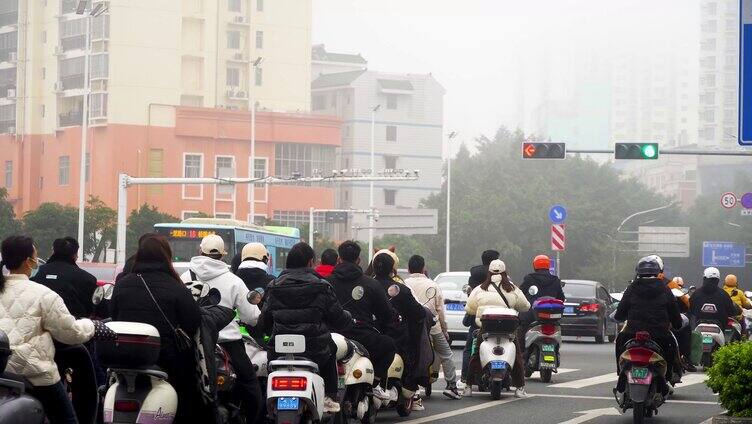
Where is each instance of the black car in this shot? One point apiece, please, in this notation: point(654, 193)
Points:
point(586, 311)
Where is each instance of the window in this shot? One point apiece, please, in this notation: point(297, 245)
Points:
point(63, 170)
point(259, 77)
point(391, 133)
point(72, 73)
point(8, 173)
point(42, 108)
point(233, 6)
point(8, 44)
point(100, 66)
point(233, 39)
point(292, 158)
point(297, 219)
point(260, 169)
point(87, 167)
point(390, 162)
point(259, 39)
point(192, 214)
point(98, 105)
point(318, 102)
point(73, 34)
point(225, 167)
point(259, 5)
point(391, 101)
point(44, 37)
point(156, 157)
point(100, 27)
point(223, 215)
point(390, 197)
point(192, 166)
point(233, 77)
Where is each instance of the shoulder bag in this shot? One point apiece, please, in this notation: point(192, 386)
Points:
point(182, 341)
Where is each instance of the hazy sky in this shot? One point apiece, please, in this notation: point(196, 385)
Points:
point(482, 51)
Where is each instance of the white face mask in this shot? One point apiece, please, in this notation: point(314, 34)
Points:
point(496, 278)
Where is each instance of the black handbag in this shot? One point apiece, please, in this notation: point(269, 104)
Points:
point(182, 340)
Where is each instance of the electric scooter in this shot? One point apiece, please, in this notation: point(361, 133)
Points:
point(497, 349)
point(543, 339)
point(356, 376)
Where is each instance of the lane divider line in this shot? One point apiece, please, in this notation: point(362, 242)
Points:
point(461, 411)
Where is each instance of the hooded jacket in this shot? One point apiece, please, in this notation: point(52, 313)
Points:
point(346, 277)
point(216, 274)
point(737, 295)
point(254, 274)
point(477, 275)
point(647, 304)
point(299, 301)
point(710, 303)
point(73, 284)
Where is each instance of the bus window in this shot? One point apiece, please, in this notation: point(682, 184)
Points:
point(281, 259)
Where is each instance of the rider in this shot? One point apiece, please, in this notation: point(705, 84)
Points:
point(364, 298)
point(498, 290)
point(328, 262)
point(648, 305)
point(737, 295)
point(710, 302)
point(300, 302)
point(254, 268)
point(684, 335)
point(209, 269)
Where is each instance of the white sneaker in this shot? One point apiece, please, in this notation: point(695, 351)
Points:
point(418, 405)
point(330, 406)
point(520, 393)
point(393, 395)
point(461, 385)
point(468, 390)
point(379, 392)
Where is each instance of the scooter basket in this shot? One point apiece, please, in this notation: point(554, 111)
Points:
point(499, 321)
point(548, 309)
point(137, 346)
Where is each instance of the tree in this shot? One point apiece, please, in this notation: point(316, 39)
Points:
point(141, 221)
point(9, 225)
point(49, 222)
point(99, 226)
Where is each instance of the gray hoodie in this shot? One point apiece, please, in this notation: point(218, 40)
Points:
point(216, 274)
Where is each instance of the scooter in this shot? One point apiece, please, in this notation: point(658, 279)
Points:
point(497, 349)
point(543, 339)
point(295, 391)
point(733, 331)
point(713, 338)
point(642, 384)
point(356, 376)
point(16, 406)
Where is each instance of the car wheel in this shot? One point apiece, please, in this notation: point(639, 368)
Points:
point(601, 338)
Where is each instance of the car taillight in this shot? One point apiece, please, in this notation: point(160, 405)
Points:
point(640, 356)
point(548, 329)
point(127, 405)
point(289, 383)
point(590, 308)
point(642, 336)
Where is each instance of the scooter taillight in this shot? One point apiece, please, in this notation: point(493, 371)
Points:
point(548, 329)
point(289, 383)
point(127, 405)
point(730, 322)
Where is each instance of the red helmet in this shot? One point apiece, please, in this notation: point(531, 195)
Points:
point(541, 262)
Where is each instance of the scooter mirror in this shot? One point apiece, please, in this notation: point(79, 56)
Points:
point(466, 289)
point(357, 293)
point(393, 290)
point(255, 295)
point(430, 293)
point(98, 295)
point(748, 294)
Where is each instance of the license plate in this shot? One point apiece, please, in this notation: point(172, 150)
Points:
point(288, 403)
point(549, 348)
point(498, 365)
point(707, 340)
point(454, 307)
point(569, 310)
point(549, 358)
point(639, 372)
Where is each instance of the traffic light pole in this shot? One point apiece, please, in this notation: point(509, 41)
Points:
point(669, 152)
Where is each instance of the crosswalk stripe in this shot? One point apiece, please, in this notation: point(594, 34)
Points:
point(691, 379)
point(585, 382)
point(535, 374)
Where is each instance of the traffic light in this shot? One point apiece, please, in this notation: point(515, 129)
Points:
point(636, 151)
point(544, 150)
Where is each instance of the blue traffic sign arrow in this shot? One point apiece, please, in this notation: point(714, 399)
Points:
point(745, 73)
point(723, 254)
point(557, 214)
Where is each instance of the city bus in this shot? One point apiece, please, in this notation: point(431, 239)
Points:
point(185, 238)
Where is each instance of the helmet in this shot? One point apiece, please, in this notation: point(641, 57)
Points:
point(541, 262)
point(679, 281)
point(657, 259)
point(712, 272)
point(730, 280)
point(648, 267)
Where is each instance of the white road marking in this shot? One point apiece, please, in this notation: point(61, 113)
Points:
point(691, 379)
point(585, 382)
point(535, 374)
point(610, 398)
point(591, 414)
point(460, 411)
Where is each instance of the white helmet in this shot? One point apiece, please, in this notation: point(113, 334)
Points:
point(712, 272)
point(657, 259)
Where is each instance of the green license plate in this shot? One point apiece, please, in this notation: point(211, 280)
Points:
point(549, 348)
point(639, 372)
point(707, 340)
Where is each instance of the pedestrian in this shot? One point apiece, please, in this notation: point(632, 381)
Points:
point(328, 262)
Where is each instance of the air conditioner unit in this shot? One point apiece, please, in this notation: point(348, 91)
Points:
point(240, 19)
point(11, 93)
point(59, 50)
point(230, 93)
point(57, 87)
point(238, 56)
point(12, 57)
point(241, 95)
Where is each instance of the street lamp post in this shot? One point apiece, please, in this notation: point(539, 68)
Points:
point(452, 135)
point(252, 100)
point(373, 170)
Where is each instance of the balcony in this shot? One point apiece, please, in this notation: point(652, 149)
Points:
point(70, 119)
point(68, 6)
point(9, 18)
point(76, 42)
point(71, 82)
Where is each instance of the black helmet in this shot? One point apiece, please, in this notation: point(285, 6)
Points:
point(648, 267)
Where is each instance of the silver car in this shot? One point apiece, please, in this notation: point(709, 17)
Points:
point(451, 284)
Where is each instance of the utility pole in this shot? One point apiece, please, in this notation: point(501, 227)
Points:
point(252, 100)
point(373, 170)
point(452, 135)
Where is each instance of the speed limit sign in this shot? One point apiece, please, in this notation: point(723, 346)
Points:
point(728, 200)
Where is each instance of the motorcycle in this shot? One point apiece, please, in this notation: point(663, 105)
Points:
point(497, 349)
point(543, 339)
point(733, 331)
point(16, 406)
point(713, 338)
point(642, 383)
point(295, 391)
point(356, 375)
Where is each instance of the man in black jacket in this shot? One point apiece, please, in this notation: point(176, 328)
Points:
point(540, 283)
point(254, 268)
point(365, 299)
point(64, 277)
point(710, 302)
point(299, 301)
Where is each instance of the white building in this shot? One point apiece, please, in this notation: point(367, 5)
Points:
point(408, 128)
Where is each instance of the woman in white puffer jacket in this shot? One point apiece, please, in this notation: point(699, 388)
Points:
point(32, 316)
point(488, 295)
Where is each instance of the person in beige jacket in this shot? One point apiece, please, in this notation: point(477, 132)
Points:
point(32, 315)
point(488, 295)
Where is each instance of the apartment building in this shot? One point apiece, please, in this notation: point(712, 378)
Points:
point(172, 82)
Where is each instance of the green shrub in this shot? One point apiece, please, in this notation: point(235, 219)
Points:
point(731, 377)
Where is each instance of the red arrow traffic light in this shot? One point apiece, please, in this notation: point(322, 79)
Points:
point(528, 150)
point(544, 150)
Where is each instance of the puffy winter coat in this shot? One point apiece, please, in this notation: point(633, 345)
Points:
point(346, 277)
point(648, 304)
point(481, 299)
point(216, 274)
point(737, 296)
point(420, 285)
point(32, 316)
point(72, 283)
point(299, 301)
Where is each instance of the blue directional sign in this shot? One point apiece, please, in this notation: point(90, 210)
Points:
point(745, 74)
point(723, 254)
point(558, 213)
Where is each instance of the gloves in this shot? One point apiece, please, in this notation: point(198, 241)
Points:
point(103, 332)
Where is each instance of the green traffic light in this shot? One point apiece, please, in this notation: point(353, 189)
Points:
point(649, 151)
